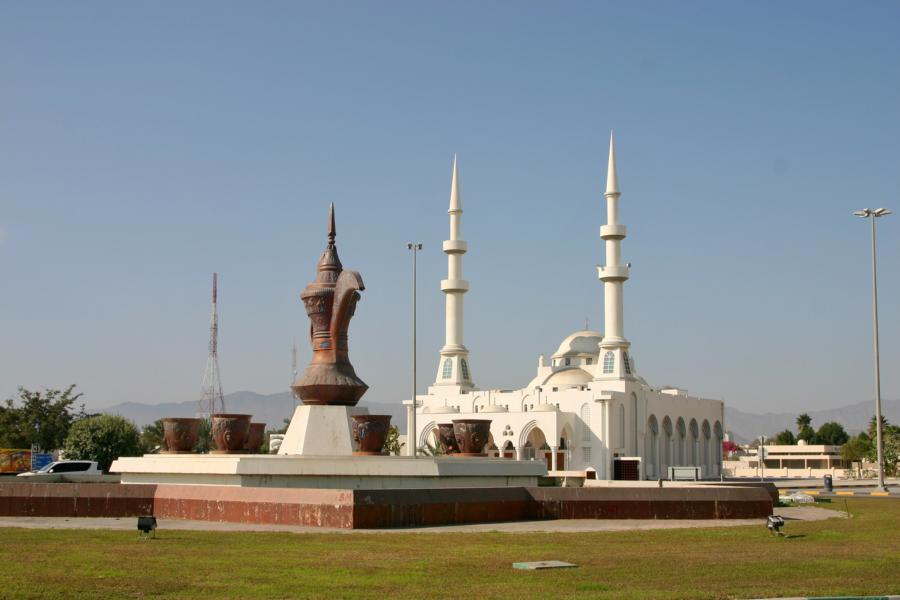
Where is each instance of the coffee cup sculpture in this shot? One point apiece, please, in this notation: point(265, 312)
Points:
point(255, 437)
point(370, 432)
point(446, 439)
point(471, 435)
point(330, 302)
point(180, 435)
point(230, 432)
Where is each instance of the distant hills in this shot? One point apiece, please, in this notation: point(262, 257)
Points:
point(272, 409)
point(854, 417)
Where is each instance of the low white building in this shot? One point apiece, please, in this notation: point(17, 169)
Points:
point(587, 409)
point(800, 460)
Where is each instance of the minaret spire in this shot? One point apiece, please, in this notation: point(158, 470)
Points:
point(455, 205)
point(615, 363)
point(612, 180)
point(453, 367)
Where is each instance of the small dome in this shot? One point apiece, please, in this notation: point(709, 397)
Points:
point(574, 376)
point(580, 343)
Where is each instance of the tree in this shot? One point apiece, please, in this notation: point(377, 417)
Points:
point(886, 427)
point(803, 421)
point(153, 437)
point(785, 438)
point(890, 442)
point(856, 449)
point(832, 434)
point(205, 443)
point(41, 418)
point(393, 445)
point(102, 438)
point(807, 434)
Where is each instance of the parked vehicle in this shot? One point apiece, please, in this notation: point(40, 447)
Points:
point(74, 468)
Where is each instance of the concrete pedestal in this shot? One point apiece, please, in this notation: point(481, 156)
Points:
point(332, 472)
point(320, 431)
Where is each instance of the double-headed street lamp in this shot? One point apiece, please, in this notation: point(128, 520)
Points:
point(411, 411)
point(867, 213)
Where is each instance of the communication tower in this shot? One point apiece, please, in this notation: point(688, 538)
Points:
point(212, 400)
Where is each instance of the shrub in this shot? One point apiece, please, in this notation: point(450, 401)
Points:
point(102, 438)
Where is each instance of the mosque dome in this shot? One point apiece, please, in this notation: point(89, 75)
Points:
point(581, 344)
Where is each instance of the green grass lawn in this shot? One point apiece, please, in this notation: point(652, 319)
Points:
point(857, 556)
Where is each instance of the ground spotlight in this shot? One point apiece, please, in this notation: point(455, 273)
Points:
point(774, 524)
point(146, 525)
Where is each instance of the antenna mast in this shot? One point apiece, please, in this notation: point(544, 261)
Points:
point(212, 400)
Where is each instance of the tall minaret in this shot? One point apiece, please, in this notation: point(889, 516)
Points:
point(453, 367)
point(614, 362)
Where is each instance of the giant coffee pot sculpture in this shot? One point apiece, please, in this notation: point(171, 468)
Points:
point(330, 302)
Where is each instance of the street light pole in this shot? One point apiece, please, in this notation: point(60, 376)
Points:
point(411, 411)
point(874, 214)
point(761, 459)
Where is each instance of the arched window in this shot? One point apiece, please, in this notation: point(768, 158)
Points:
point(634, 422)
point(626, 363)
point(568, 361)
point(651, 447)
point(464, 367)
point(665, 460)
point(704, 446)
point(448, 369)
point(695, 443)
point(609, 362)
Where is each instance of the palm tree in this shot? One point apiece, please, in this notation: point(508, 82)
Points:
point(803, 421)
point(885, 426)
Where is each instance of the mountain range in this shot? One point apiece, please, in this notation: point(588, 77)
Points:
point(273, 409)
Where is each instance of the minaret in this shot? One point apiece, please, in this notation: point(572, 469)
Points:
point(614, 361)
point(453, 367)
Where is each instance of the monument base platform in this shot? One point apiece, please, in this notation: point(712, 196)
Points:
point(320, 430)
point(375, 509)
point(328, 472)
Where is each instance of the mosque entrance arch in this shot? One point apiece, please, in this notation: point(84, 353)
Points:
point(563, 449)
point(428, 437)
point(535, 442)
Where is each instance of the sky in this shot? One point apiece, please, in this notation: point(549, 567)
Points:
point(144, 145)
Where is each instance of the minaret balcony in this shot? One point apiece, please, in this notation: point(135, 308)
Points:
point(613, 273)
point(455, 246)
point(612, 232)
point(454, 285)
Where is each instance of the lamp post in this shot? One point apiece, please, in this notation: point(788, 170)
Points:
point(761, 459)
point(867, 213)
point(411, 411)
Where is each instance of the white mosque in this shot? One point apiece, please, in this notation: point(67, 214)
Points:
point(588, 409)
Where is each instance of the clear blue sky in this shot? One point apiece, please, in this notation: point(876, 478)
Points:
point(144, 145)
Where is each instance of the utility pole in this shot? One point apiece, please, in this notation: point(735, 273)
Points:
point(411, 441)
point(867, 213)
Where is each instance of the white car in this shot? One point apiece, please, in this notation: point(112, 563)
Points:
point(77, 469)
